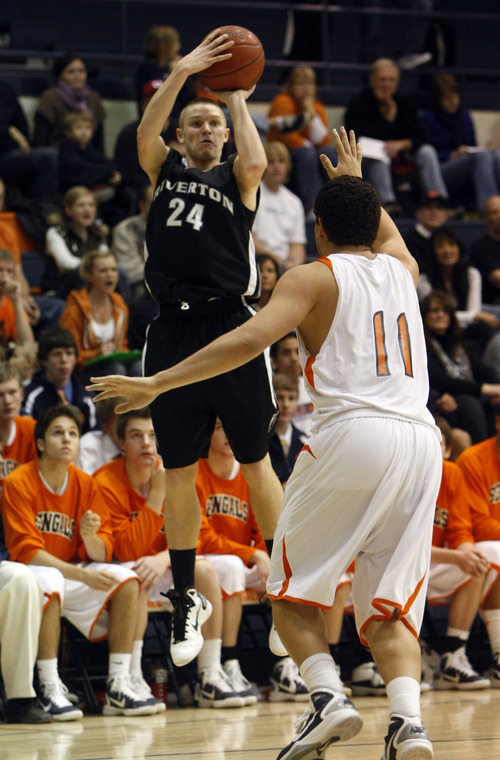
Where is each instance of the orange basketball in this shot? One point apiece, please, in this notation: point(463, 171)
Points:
point(243, 69)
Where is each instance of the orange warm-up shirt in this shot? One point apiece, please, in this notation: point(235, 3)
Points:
point(228, 523)
point(36, 519)
point(22, 448)
point(452, 518)
point(480, 465)
point(138, 531)
point(8, 325)
point(284, 105)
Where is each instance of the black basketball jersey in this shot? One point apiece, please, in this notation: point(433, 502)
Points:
point(198, 235)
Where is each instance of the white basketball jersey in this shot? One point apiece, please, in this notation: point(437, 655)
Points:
point(374, 359)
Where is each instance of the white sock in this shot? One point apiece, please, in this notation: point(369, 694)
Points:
point(319, 672)
point(458, 633)
point(491, 619)
point(404, 696)
point(136, 661)
point(209, 657)
point(119, 664)
point(47, 670)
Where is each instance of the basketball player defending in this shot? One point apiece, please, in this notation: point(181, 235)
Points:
point(365, 485)
point(201, 264)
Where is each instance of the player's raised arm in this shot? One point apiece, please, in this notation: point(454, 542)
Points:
point(251, 160)
point(389, 239)
point(150, 145)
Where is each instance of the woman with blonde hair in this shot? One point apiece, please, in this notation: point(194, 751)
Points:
point(98, 318)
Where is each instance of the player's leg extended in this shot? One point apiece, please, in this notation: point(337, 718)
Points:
point(182, 524)
point(397, 654)
point(330, 717)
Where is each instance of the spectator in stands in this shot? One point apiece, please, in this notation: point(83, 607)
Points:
point(80, 163)
point(129, 240)
point(55, 383)
point(285, 360)
point(33, 170)
point(431, 212)
point(16, 431)
point(270, 273)
point(279, 224)
point(23, 359)
point(161, 51)
point(468, 389)
point(306, 144)
point(133, 487)
point(97, 317)
point(464, 575)
point(70, 93)
point(287, 440)
point(21, 603)
point(98, 447)
point(231, 541)
point(384, 114)
point(485, 255)
point(450, 272)
point(71, 235)
point(449, 128)
point(14, 322)
point(71, 564)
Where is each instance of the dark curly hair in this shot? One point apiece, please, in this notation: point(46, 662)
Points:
point(349, 209)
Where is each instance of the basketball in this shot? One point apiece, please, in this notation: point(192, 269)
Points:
point(243, 69)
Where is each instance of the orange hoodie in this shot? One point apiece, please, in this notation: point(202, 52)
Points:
point(77, 318)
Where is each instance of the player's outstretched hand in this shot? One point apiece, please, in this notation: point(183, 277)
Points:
point(225, 95)
point(349, 155)
point(138, 391)
point(214, 48)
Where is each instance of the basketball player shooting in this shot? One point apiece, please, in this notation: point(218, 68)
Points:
point(201, 264)
point(366, 484)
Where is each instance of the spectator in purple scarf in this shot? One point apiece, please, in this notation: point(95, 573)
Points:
point(70, 93)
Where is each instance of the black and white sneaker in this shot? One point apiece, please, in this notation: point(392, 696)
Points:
point(457, 673)
point(366, 681)
point(53, 700)
point(191, 610)
point(330, 717)
point(286, 683)
point(407, 739)
point(122, 699)
point(494, 673)
point(141, 687)
point(239, 684)
point(215, 690)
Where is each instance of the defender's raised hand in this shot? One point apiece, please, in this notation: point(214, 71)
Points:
point(349, 155)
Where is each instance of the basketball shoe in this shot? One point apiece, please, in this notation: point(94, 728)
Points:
point(275, 644)
point(366, 681)
point(122, 699)
point(456, 672)
point(330, 717)
point(239, 684)
point(407, 739)
point(286, 683)
point(53, 700)
point(141, 687)
point(191, 609)
point(215, 690)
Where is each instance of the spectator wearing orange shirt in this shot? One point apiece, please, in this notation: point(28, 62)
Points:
point(305, 145)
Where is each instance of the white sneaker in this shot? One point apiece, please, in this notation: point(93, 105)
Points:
point(366, 681)
point(191, 610)
point(53, 701)
point(286, 683)
point(407, 738)
point(239, 684)
point(457, 673)
point(330, 717)
point(215, 690)
point(122, 699)
point(275, 644)
point(142, 688)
